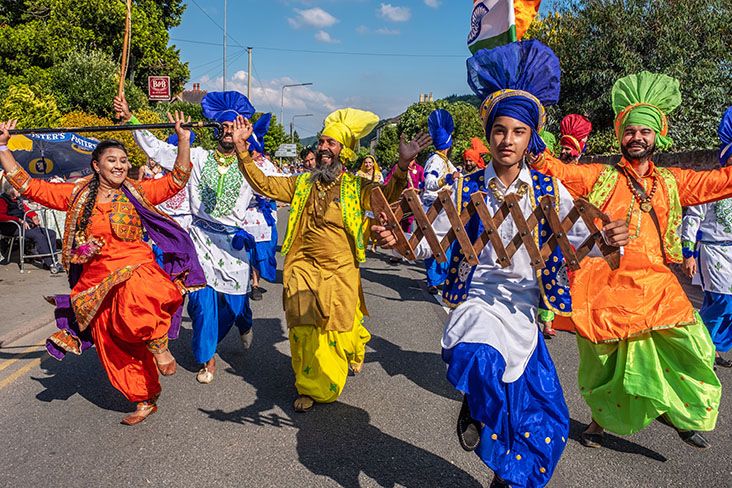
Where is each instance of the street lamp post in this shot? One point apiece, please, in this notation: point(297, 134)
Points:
point(282, 103)
point(292, 126)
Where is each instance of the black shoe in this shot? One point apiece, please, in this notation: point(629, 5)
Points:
point(694, 439)
point(255, 294)
point(432, 290)
point(498, 482)
point(395, 260)
point(468, 429)
point(724, 363)
point(592, 440)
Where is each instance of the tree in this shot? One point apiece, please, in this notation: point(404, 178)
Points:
point(72, 87)
point(276, 135)
point(600, 41)
point(465, 115)
point(386, 151)
point(30, 108)
point(42, 33)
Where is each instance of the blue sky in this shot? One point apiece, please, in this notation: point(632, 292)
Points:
point(420, 46)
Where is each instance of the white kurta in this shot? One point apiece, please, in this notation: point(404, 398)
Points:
point(502, 303)
point(254, 222)
point(434, 169)
point(226, 269)
point(714, 220)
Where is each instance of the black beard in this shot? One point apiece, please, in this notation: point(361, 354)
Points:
point(647, 152)
point(226, 146)
point(326, 173)
point(470, 167)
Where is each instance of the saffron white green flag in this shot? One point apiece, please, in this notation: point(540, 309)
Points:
point(496, 22)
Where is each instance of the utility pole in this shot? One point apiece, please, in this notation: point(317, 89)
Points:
point(249, 74)
point(225, 38)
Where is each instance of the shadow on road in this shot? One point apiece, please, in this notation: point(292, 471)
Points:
point(82, 375)
point(334, 440)
point(407, 288)
point(615, 443)
point(424, 369)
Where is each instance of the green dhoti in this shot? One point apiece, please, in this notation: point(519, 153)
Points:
point(629, 383)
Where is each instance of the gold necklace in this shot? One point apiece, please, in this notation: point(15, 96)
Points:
point(324, 189)
point(224, 160)
point(500, 197)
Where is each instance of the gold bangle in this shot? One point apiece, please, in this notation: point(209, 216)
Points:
point(19, 178)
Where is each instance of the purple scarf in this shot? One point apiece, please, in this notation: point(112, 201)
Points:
point(179, 259)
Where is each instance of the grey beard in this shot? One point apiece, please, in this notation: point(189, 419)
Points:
point(325, 174)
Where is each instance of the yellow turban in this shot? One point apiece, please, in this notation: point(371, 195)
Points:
point(348, 126)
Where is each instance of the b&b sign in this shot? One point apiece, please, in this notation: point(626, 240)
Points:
point(158, 87)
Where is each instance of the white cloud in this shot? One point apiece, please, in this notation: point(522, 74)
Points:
point(322, 36)
point(384, 31)
point(266, 97)
point(312, 17)
point(395, 14)
point(432, 3)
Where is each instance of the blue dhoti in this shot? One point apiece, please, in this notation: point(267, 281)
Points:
point(213, 314)
point(716, 312)
point(526, 422)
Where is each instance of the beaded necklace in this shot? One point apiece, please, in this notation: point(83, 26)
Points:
point(324, 189)
point(500, 197)
point(645, 203)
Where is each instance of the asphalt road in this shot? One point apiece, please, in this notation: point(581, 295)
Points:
point(393, 426)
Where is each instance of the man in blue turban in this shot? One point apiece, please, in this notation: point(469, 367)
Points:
point(513, 413)
point(706, 238)
point(439, 173)
point(261, 217)
point(219, 197)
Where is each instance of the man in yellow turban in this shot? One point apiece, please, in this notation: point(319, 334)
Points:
point(323, 248)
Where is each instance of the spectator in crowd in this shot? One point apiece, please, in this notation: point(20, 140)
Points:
point(13, 209)
point(307, 158)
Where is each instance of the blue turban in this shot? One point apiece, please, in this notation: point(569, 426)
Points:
point(441, 127)
point(516, 80)
point(173, 139)
point(226, 106)
point(259, 129)
point(725, 137)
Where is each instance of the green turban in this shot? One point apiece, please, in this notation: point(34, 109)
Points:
point(550, 140)
point(645, 99)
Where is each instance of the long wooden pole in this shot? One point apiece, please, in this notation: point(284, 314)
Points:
point(113, 128)
point(124, 64)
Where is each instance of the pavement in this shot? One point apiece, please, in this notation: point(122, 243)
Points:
point(392, 427)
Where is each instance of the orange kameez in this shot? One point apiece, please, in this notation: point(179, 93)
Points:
point(123, 296)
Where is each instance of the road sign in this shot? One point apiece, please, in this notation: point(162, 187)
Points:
point(286, 151)
point(158, 87)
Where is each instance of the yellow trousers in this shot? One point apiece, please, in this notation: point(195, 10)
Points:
point(320, 358)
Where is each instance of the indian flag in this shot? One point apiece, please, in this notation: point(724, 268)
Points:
point(496, 22)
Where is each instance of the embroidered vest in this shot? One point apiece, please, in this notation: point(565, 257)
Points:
point(351, 211)
point(553, 280)
point(605, 185)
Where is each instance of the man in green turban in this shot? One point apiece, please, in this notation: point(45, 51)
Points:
point(645, 353)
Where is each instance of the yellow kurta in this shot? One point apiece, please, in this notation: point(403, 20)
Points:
point(323, 298)
point(321, 279)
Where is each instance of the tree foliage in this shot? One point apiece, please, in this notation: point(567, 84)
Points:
point(39, 34)
point(29, 107)
point(72, 83)
point(276, 135)
point(386, 151)
point(467, 125)
point(600, 41)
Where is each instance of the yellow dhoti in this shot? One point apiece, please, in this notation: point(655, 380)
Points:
point(320, 358)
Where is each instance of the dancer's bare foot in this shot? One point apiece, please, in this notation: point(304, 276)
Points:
point(206, 373)
point(356, 367)
point(143, 411)
point(165, 362)
point(303, 403)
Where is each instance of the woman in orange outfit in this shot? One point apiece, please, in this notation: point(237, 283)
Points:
point(119, 294)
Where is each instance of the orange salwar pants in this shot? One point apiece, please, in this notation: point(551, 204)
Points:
point(133, 313)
